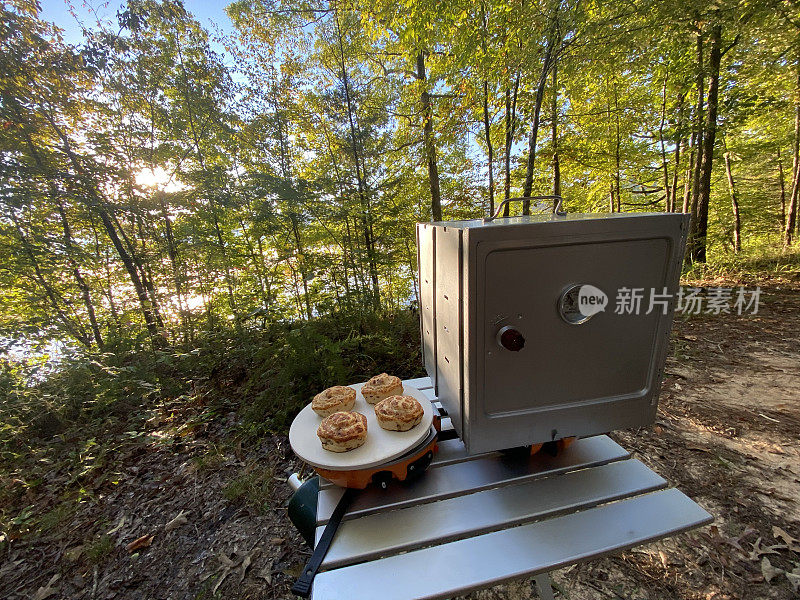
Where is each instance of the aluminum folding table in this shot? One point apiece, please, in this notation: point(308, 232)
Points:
point(471, 522)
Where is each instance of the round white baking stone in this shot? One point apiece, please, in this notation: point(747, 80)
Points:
point(381, 445)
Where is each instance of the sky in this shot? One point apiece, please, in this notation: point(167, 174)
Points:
point(210, 13)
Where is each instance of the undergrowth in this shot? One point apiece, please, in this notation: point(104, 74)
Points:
point(761, 265)
point(71, 422)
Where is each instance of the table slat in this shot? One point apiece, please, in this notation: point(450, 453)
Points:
point(458, 567)
point(461, 478)
point(396, 531)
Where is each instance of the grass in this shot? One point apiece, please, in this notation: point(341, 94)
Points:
point(54, 518)
point(252, 487)
point(98, 549)
point(210, 460)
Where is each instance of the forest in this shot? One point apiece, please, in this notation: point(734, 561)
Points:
point(152, 192)
point(200, 228)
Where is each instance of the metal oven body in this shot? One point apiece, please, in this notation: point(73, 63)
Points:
point(515, 335)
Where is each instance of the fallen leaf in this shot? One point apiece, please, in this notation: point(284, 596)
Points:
point(118, 525)
point(768, 571)
point(276, 540)
point(248, 558)
point(265, 574)
point(700, 448)
point(47, 590)
point(227, 567)
point(792, 543)
point(758, 550)
point(141, 542)
point(226, 571)
point(226, 562)
point(176, 522)
point(73, 554)
point(794, 578)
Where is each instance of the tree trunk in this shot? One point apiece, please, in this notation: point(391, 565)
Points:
point(301, 263)
point(143, 273)
point(709, 137)
point(489, 148)
point(79, 279)
point(664, 164)
point(791, 215)
point(172, 252)
point(68, 245)
point(782, 181)
point(486, 116)
point(511, 125)
point(349, 253)
point(737, 222)
point(211, 201)
point(689, 176)
point(537, 107)
point(73, 327)
point(698, 140)
point(680, 147)
point(428, 141)
point(611, 196)
point(412, 267)
point(554, 118)
point(617, 144)
point(366, 212)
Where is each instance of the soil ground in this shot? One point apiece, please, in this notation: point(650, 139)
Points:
point(196, 514)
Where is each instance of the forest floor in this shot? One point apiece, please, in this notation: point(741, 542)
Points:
point(187, 509)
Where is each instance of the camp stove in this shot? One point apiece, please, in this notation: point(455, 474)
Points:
point(542, 327)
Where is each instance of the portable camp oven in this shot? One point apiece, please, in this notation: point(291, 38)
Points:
point(516, 338)
point(534, 329)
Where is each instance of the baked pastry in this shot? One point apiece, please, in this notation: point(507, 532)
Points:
point(380, 387)
point(398, 413)
point(343, 431)
point(334, 399)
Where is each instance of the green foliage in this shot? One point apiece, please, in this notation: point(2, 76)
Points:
point(154, 194)
point(268, 374)
point(278, 370)
point(762, 266)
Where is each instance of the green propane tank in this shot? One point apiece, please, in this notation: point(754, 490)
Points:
point(303, 508)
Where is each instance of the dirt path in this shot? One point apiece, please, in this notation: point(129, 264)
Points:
point(728, 435)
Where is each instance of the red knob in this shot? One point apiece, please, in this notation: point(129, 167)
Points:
point(511, 339)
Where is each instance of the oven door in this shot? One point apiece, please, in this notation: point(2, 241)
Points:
point(545, 357)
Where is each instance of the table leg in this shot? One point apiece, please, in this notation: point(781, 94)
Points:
point(543, 586)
